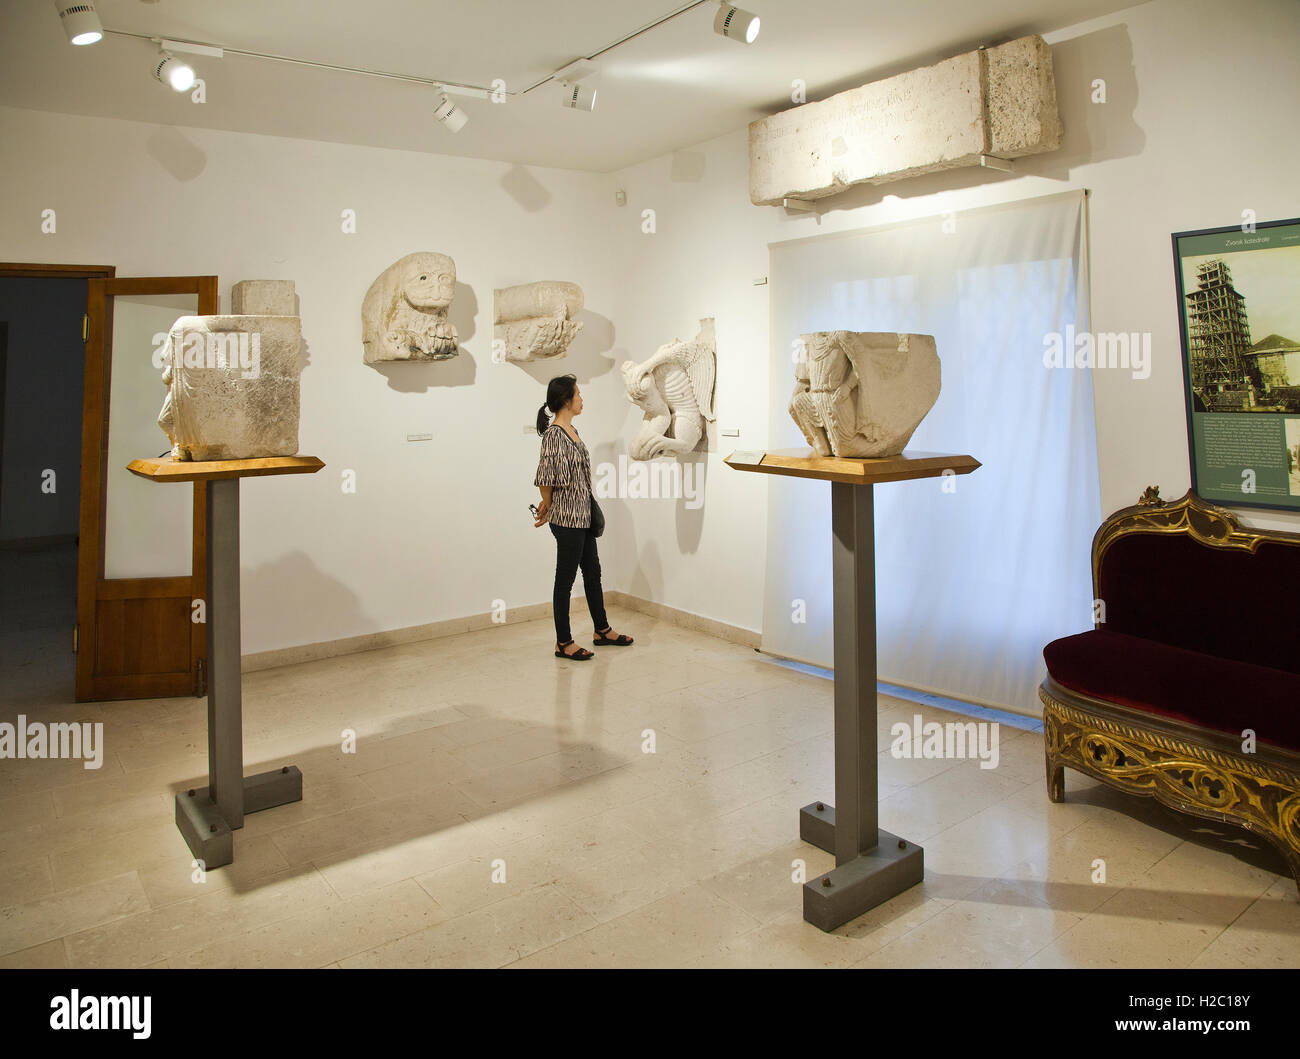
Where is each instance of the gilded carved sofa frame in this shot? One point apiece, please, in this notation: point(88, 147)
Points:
point(1185, 767)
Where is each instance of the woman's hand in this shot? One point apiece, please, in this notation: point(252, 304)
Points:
point(543, 509)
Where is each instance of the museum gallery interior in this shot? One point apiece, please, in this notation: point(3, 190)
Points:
point(619, 484)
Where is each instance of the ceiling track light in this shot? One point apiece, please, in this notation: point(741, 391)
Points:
point(449, 114)
point(579, 97)
point(170, 71)
point(80, 21)
point(736, 23)
point(576, 95)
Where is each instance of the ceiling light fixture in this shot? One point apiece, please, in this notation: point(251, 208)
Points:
point(80, 22)
point(576, 95)
point(735, 23)
point(169, 70)
point(449, 114)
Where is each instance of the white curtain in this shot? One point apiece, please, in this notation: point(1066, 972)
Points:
point(970, 584)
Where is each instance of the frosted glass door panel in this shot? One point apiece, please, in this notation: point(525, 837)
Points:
point(149, 528)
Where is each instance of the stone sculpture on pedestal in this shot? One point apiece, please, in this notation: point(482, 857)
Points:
point(232, 387)
point(536, 321)
point(863, 393)
point(674, 389)
point(404, 314)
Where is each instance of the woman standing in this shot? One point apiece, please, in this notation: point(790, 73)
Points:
point(564, 477)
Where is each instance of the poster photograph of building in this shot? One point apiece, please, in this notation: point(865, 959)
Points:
point(1239, 310)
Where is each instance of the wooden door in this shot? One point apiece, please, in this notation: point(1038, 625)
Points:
point(136, 633)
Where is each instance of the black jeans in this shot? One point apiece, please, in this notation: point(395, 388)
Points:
point(574, 548)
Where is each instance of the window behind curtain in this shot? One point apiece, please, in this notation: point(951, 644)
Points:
point(970, 584)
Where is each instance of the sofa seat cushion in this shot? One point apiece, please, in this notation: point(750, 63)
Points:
point(1216, 693)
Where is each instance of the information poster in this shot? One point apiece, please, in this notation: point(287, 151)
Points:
point(1239, 309)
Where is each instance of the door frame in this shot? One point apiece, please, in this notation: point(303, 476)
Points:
point(92, 585)
point(37, 270)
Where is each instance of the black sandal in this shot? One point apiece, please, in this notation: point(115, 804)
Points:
point(580, 655)
point(601, 641)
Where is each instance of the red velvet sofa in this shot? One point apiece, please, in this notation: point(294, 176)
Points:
point(1188, 688)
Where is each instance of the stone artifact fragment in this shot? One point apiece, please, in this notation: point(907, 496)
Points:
point(863, 393)
point(232, 387)
point(674, 389)
point(1000, 102)
point(536, 321)
point(263, 297)
point(404, 315)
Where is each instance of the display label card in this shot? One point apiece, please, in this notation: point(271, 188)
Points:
point(746, 458)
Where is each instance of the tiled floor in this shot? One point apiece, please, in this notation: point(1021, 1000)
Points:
point(499, 810)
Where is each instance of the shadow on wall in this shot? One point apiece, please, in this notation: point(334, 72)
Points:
point(182, 159)
point(588, 357)
point(525, 189)
point(295, 576)
point(461, 370)
point(690, 521)
point(1091, 131)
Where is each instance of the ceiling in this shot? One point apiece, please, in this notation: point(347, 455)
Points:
point(674, 86)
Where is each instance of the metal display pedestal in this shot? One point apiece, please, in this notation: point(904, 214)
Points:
point(208, 816)
point(871, 864)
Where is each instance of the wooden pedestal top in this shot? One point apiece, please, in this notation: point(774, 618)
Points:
point(165, 469)
point(804, 463)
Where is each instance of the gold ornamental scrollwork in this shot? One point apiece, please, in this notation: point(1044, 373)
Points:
point(1207, 782)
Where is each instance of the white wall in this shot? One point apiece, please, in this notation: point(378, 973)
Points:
point(1198, 124)
point(436, 530)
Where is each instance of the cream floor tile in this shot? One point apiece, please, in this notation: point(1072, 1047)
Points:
point(365, 868)
point(49, 956)
point(499, 934)
point(668, 932)
point(996, 926)
point(23, 881)
point(322, 796)
point(175, 929)
point(102, 858)
point(503, 787)
point(175, 878)
point(62, 913)
point(1267, 934)
point(1134, 928)
point(786, 941)
point(393, 819)
point(766, 887)
point(335, 929)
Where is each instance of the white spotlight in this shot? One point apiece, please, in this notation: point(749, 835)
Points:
point(450, 115)
point(736, 23)
point(171, 71)
point(578, 96)
point(80, 22)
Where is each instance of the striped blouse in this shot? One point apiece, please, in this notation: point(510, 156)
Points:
point(565, 465)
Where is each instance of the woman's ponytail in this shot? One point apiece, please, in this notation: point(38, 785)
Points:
point(559, 392)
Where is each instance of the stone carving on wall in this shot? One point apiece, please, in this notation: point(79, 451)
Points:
point(404, 314)
point(232, 387)
point(863, 393)
point(536, 321)
point(674, 390)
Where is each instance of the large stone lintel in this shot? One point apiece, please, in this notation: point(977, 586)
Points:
point(1000, 101)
